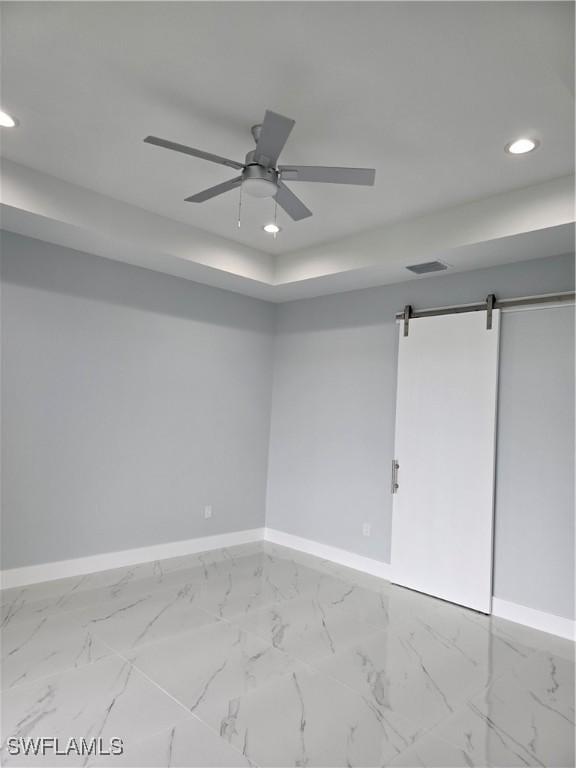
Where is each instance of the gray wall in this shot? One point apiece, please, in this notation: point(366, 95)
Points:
point(534, 545)
point(130, 400)
point(332, 432)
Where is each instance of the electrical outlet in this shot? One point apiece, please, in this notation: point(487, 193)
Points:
point(366, 529)
point(208, 511)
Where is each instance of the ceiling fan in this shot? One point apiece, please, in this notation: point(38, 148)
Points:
point(261, 177)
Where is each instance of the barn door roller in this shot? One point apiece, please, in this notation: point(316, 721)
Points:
point(490, 303)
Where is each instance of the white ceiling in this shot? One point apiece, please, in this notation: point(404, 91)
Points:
point(427, 93)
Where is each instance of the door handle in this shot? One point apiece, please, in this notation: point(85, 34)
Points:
point(395, 468)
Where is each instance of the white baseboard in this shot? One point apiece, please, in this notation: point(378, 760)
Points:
point(18, 577)
point(327, 552)
point(32, 574)
point(530, 617)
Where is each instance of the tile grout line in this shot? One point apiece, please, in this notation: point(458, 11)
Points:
point(508, 673)
point(421, 733)
point(461, 707)
point(115, 653)
point(183, 706)
point(430, 731)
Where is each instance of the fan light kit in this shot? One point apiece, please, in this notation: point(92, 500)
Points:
point(272, 229)
point(260, 176)
point(255, 186)
point(6, 120)
point(521, 146)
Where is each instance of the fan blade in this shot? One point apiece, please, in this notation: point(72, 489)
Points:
point(294, 207)
point(219, 189)
point(191, 151)
point(273, 136)
point(327, 175)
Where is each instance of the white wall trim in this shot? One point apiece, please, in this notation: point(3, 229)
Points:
point(17, 577)
point(32, 574)
point(327, 552)
point(530, 617)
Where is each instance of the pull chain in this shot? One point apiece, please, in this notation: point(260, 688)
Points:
point(275, 218)
point(239, 208)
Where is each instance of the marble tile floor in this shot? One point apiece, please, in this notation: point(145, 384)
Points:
point(261, 656)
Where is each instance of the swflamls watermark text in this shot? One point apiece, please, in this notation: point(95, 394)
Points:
point(49, 745)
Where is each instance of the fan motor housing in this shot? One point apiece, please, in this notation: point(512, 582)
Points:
point(255, 171)
point(259, 181)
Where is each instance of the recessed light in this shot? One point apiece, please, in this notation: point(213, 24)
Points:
point(6, 120)
point(521, 146)
point(272, 229)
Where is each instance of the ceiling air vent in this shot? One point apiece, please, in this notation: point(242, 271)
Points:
point(426, 267)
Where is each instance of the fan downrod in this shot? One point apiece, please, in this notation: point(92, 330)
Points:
point(256, 130)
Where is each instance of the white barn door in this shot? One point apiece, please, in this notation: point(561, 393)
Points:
point(445, 450)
